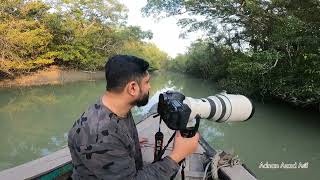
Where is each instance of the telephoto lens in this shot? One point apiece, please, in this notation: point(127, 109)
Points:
point(221, 107)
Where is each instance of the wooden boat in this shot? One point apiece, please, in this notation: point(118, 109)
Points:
point(58, 164)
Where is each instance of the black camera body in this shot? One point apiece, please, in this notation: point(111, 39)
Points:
point(175, 113)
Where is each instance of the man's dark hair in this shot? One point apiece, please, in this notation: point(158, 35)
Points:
point(121, 69)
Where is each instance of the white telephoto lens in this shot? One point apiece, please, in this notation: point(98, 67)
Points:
point(222, 107)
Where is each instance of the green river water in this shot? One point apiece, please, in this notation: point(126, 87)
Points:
point(34, 122)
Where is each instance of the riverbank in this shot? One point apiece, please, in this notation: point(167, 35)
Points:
point(51, 75)
point(290, 101)
point(60, 75)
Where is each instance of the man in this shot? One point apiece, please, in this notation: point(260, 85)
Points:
point(104, 142)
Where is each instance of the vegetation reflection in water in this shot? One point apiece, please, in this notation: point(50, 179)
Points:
point(34, 122)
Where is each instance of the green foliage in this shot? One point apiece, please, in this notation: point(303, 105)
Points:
point(71, 33)
point(147, 51)
point(23, 37)
point(267, 48)
point(203, 59)
point(178, 64)
point(107, 12)
point(29, 38)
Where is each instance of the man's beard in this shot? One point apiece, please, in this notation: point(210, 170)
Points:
point(143, 101)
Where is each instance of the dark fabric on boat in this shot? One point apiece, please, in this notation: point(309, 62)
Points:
point(105, 146)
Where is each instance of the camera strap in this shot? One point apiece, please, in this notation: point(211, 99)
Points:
point(182, 168)
point(159, 137)
point(158, 142)
point(158, 151)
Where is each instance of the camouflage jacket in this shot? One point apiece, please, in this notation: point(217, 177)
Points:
point(105, 146)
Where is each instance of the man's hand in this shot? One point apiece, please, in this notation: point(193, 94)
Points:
point(183, 147)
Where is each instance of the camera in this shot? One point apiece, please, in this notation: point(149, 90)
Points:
point(184, 113)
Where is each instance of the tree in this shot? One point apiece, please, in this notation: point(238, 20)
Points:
point(70, 33)
point(282, 38)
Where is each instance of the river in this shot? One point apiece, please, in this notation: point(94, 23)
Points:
point(34, 122)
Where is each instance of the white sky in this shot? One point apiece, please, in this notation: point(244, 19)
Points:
point(165, 32)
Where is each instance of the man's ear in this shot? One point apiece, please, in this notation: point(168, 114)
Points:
point(132, 88)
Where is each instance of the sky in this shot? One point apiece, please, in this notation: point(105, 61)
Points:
point(165, 32)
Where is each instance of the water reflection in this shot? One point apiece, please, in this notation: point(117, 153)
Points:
point(34, 121)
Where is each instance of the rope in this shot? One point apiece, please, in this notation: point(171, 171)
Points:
point(219, 160)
